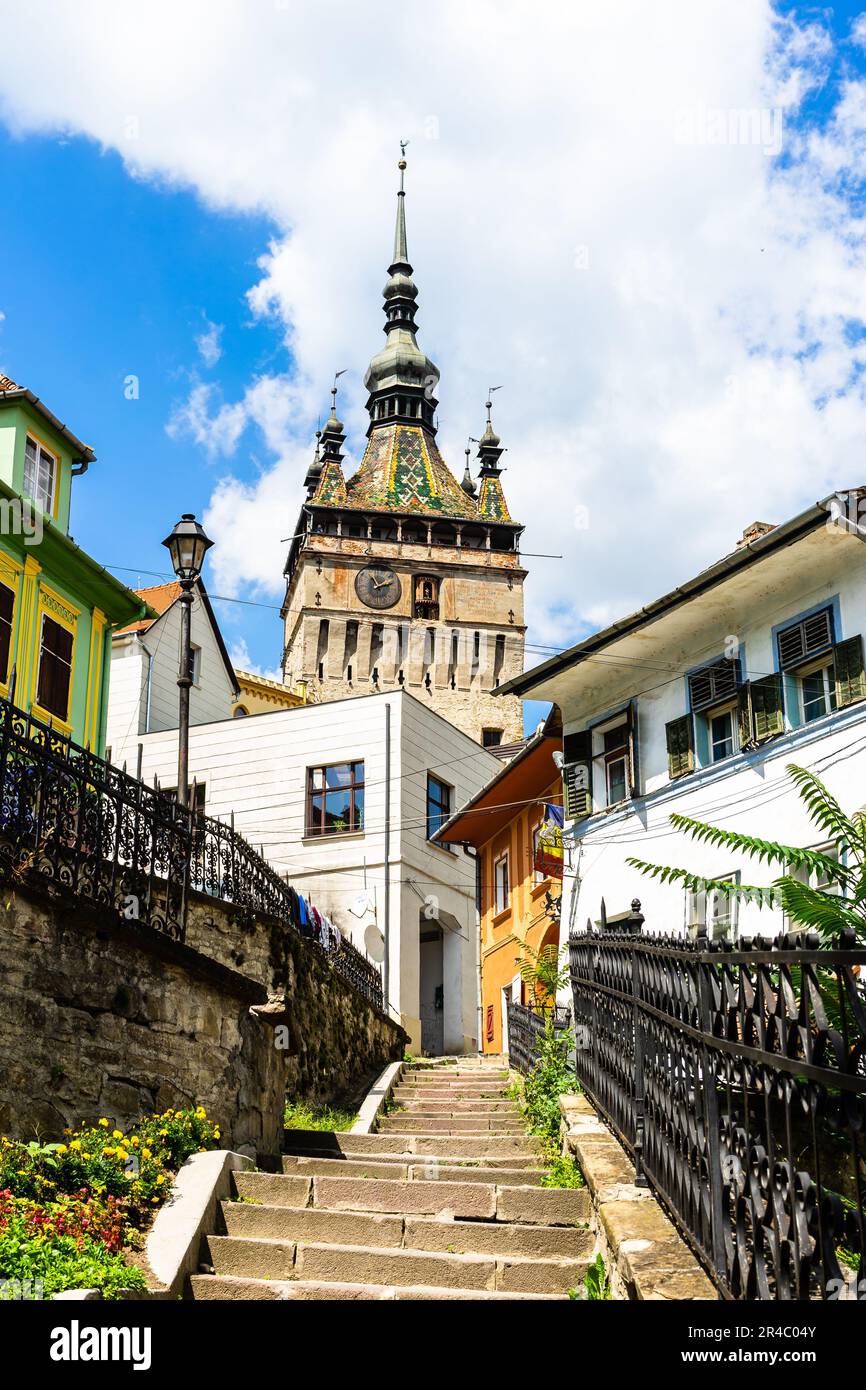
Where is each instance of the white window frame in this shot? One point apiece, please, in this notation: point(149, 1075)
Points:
point(715, 712)
point(497, 863)
point(195, 664)
point(825, 666)
point(702, 911)
point(41, 452)
point(599, 757)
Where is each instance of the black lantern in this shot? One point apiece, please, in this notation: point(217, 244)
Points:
point(187, 545)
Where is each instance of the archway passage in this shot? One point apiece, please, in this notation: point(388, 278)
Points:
point(432, 990)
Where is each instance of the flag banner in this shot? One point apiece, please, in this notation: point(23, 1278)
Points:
point(549, 853)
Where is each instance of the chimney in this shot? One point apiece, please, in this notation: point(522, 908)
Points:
point(754, 531)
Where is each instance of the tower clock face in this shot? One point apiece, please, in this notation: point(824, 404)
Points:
point(378, 586)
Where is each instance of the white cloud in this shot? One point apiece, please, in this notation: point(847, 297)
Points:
point(217, 432)
point(208, 343)
point(240, 658)
point(669, 318)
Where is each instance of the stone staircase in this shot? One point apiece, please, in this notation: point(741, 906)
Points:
point(443, 1202)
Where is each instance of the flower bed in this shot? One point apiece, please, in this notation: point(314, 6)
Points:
point(71, 1213)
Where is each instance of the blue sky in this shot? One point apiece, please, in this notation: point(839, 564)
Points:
point(116, 276)
point(719, 327)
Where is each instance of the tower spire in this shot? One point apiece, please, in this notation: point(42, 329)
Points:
point(401, 252)
point(401, 379)
point(491, 498)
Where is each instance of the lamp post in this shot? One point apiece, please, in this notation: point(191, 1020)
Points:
point(187, 546)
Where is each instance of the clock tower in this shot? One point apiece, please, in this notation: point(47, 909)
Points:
point(400, 575)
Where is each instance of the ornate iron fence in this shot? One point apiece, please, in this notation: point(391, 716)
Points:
point(526, 1028)
point(100, 835)
point(736, 1078)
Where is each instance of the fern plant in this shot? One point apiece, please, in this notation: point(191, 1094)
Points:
point(830, 910)
point(542, 972)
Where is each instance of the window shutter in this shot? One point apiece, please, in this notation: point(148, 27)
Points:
point(805, 639)
point(679, 734)
point(713, 684)
point(848, 672)
point(577, 775)
point(767, 715)
point(633, 762)
point(744, 715)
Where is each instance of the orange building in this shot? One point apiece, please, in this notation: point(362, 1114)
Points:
point(502, 823)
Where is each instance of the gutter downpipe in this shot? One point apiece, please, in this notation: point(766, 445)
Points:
point(473, 854)
point(148, 690)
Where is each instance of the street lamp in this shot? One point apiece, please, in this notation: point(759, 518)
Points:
point(187, 546)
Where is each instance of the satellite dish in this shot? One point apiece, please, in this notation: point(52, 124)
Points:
point(374, 942)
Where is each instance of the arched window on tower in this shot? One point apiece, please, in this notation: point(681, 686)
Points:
point(444, 535)
point(426, 604)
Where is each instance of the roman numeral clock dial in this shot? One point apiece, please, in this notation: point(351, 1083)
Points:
point(378, 587)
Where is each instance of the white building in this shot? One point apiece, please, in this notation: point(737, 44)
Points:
point(697, 703)
point(342, 798)
point(145, 660)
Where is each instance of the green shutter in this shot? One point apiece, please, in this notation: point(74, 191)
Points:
point(633, 756)
point(679, 734)
point(768, 717)
point(744, 715)
point(849, 675)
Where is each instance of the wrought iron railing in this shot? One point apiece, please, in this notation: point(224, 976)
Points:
point(73, 820)
point(526, 1029)
point(737, 1080)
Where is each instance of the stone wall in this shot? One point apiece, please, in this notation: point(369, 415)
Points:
point(100, 1017)
point(337, 1043)
point(644, 1256)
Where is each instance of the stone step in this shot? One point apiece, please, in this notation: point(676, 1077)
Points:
point(410, 1233)
point(457, 1073)
point(544, 1206)
point(311, 1223)
point(444, 1106)
point(226, 1287)
point(450, 1124)
point(445, 1172)
point(449, 1093)
point(479, 1084)
point(386, 1165)
point(359, 1264)
point(319, 1144)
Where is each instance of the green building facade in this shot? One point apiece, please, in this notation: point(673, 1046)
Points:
point(58, 607)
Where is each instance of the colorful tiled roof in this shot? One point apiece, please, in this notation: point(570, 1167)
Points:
point(331, 487)
point(491, 501)
point(402, 470)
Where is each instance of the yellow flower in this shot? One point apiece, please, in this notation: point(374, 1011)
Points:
point(161, 1179)
point(116, 1134)
point(121, 1154)
point(134, 1141)
point(108, 1152)
point(88, 1155)
point(61, 1149)
point(75, 1144)
point(216, 1134)
point(145, 1153)
point(163, 1132)
point(104, 1124)
point(201, 1113)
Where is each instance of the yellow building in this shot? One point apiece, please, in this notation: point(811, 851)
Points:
point(517, 901)
point(260, 695)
